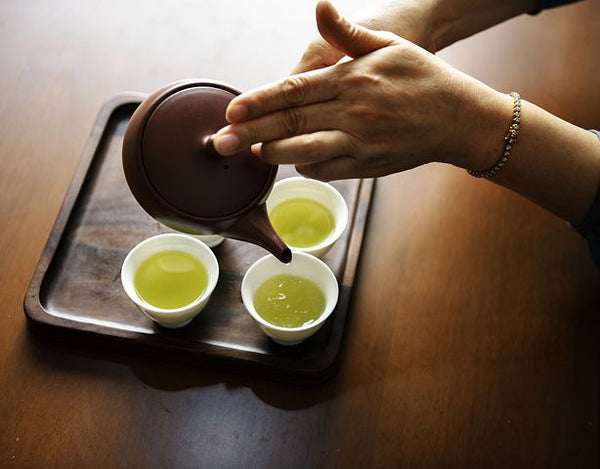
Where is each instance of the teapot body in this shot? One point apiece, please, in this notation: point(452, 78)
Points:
point(178, 178)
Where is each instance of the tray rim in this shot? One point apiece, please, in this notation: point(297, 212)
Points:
point(42, 321)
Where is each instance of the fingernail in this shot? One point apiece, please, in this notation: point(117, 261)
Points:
point(236, 113)
point(227, 144)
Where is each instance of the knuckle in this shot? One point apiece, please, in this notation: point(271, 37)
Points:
point(307, 170)
point(313, 171)
point(253, 134)
point(294, 121)
point(294, 90)
point(312, 148)
point(366, 78)
point(364, 113)
point(354, 33)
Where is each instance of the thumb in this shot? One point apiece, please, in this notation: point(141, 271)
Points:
point(350, 38)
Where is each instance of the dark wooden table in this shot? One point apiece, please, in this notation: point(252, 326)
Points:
point(473, 337)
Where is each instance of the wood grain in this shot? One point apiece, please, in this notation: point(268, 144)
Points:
point(472, 338)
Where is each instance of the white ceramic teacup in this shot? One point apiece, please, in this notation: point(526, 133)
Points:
point(212, 241)
point(302, 265)
point(326, 194)
point(171, 318)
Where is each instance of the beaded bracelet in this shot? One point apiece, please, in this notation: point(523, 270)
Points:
point(509, 140)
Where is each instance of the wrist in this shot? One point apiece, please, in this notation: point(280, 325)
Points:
point(484, 117)
point(509, 141)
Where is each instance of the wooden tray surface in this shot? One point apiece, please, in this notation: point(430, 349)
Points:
point(76, 290)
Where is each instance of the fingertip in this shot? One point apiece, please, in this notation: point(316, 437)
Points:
point(347, 37)
point(325, 7)
point(226, 143)
point(256, 150)
point(319, 54)
point(327, 15)
point(236, 112)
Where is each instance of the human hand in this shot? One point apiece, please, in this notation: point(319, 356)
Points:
point(431, 24)
point(394, 107)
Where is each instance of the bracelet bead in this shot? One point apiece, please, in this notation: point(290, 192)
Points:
point(509, 140)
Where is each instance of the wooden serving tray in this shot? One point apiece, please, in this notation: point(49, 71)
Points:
point(76, 290)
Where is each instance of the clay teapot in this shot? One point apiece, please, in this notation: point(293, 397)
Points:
point(176, 175)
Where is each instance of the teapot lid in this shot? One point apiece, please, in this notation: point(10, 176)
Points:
point(171, 166)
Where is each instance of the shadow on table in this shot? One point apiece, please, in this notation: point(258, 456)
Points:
point(87, 357)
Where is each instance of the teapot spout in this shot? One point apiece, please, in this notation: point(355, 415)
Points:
point(255, 227)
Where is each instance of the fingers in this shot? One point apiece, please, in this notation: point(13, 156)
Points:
point(296, 90)
point(342, 167)
point(284, 108)
point(310, 148)
point(289, 122)
point(317, 85)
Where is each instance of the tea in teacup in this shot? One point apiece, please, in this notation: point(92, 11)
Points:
point(302, 222)
point(310, 216)
point(289, 301)
point(170, 279)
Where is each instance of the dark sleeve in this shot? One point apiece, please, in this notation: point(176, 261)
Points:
point(589, 228)
point(544, 4)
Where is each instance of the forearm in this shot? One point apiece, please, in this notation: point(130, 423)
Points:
point(556, 164)
point(435, 24)
point(457, 19)
point(553, 163)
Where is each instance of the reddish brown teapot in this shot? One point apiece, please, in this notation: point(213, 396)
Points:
point(176, 175)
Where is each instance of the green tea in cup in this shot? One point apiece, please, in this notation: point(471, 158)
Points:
point(289, 301)
point(170, 279)
point(302, 222)
point(308, 215)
